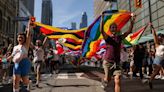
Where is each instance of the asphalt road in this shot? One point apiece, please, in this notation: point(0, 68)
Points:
point(85, 79)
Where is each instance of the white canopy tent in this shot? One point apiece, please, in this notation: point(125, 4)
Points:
point(149, 37)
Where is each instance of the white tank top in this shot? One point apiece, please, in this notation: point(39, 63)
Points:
point(38, 54)
point(19, 51)
point(160, 51)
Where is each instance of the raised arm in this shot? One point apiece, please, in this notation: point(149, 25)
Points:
point(156, 41)
point(32, 45)
point(44, 41)
point(130, 28)
point(105, 36)
point(28, 36)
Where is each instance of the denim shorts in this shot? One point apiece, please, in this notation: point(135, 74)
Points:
point(158, 61)
point(22, 68)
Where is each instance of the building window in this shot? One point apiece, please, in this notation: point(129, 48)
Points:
point(161, 22)
point(159, 4)
point(154, 16)
point(8, 25)
point(146, 4)
point(160, 12)
point(153, 1)
point(0, 19)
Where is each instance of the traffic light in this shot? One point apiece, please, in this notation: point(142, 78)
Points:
point(138, 3)
point(32, 20)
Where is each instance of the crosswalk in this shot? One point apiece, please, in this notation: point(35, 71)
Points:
point(73, 75)
point(71, 72)
point(67, 75)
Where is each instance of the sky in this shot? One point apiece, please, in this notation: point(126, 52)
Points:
point(67, 11)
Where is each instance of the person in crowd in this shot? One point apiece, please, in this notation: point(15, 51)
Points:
point(22, 64)
point(144, 61)
point(130, 59)
point(5, 66)
point(30, 54)
point(159, 55)
point(138, 58)
point(46, 57)
point(38, 60)
point(56, 62)
point(124, 61)
point(111, 62)
point(50, 57)
point(150, 55)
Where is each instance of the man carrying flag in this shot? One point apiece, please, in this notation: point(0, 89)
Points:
point(111, 63)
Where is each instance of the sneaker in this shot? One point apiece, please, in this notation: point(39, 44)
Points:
point(57, 71)
point(4, 82)
point(162, 78)
point(24, 89)
point(124, 76)
point(37, 85)
point(144, 81)
point(158, 77)
point(150, 84)
point(50, 75)
point(104, 83)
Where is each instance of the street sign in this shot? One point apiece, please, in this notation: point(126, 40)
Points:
point(21, 18)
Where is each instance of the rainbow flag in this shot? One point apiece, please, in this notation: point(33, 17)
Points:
point(93, 36)
point(73, 38)
point(132, 39)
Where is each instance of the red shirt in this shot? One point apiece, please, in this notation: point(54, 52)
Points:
point(113, 49)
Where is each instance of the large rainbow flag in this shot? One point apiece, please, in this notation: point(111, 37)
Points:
point(73, 38)
point(93, 36)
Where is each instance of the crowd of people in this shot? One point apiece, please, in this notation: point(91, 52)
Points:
point(146, 59)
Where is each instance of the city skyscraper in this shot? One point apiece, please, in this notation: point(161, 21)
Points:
point(73, 25)
point(46, 17)
point(84, 20)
